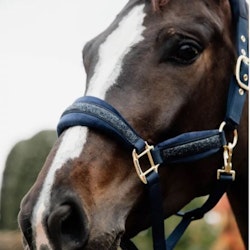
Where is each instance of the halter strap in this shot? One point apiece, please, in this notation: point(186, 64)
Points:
point(192, 146)
point(239, 81)
point(95, 113)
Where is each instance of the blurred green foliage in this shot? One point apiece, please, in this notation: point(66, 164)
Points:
point(22, 167)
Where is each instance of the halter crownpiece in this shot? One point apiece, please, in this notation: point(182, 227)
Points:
point(96, 113)
point(239, 81)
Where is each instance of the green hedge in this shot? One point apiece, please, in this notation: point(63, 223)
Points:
point(22, 166)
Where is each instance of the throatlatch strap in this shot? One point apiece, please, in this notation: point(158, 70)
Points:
point(198, 213)
point(187, 217)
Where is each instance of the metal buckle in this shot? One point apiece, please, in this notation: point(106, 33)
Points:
point(241, 59)
point(227, 168)
point(153, 166)
point(227, 155)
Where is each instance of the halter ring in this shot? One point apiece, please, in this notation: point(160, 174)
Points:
point(235, 132)
point(241, 59)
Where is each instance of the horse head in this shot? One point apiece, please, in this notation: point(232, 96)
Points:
point(165, 66)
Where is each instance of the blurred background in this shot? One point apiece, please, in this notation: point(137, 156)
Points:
point(41, 73)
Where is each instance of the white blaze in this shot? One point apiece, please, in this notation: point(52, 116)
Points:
point(113, 50)
point(70, 148)
point(107, 70)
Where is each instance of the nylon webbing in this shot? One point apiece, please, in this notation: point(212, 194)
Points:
point(237, 94)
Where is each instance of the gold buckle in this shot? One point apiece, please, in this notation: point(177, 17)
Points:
point(153, 166)
point(227, 156)
point(240, 60)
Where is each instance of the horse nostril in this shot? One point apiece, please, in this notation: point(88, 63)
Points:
point(24, 221)
point(26, 229)
point(67, 227)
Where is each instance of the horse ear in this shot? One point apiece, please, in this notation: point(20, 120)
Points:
point(158, 4)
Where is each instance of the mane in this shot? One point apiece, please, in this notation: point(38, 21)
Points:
point(158, 4)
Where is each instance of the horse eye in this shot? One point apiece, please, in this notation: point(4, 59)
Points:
point(181, 52)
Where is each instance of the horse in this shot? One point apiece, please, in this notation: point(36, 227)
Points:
point(162, 69)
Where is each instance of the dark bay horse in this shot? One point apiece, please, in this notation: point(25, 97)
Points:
point(166, 67)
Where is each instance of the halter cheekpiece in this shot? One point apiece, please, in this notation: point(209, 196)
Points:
point(98, 114)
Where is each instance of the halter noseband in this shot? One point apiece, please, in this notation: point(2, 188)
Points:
point(96, 113)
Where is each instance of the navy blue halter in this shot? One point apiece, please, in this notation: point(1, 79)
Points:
point(95, 113)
